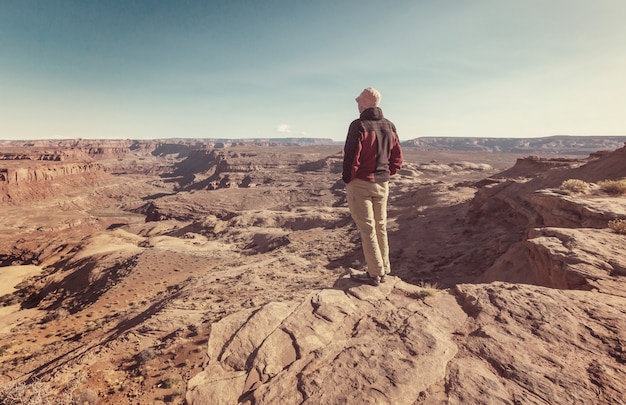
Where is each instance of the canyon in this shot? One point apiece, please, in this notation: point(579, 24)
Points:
point(217, 272)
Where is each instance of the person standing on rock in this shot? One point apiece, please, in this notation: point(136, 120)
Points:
point(372, 154)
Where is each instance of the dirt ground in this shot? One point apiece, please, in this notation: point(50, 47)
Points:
point(100, 304)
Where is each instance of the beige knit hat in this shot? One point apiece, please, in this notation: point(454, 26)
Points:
point(370, 97)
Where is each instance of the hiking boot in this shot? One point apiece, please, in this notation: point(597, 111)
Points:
point(366, 279)
point(383, 278)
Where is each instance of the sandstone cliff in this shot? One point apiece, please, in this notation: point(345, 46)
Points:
point(39, 180)
point(563, 238)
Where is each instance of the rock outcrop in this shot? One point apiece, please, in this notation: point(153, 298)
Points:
point(38, 180)
point(156, 288)
point(474, 343)
point(533, 345)
point(558, 144)
point(563, 238)
point(403, 344)
point(353, 344)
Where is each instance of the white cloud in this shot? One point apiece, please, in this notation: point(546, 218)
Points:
point(283, 129)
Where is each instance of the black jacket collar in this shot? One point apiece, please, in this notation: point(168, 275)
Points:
point(374, 113)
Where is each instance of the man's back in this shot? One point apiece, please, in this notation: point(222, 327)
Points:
point(372, 151)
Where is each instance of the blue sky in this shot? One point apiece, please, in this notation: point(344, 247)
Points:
point(260, 69)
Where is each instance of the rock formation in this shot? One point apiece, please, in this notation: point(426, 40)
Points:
point(179, 272)
point(559, 144)
point(400, 344)
point(477, 343)
point(564, 239)
point(38, 180)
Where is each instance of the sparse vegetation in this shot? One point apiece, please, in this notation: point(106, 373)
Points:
point(575, 186)
point(185, 301)
point(146, 355)
point(169, 382)
point(425, 290)
point(9, 299)
point(618, 226)
point(428, 289)
point(613, 187)
point(58, 314)
point(35, 393)
point(5, 348)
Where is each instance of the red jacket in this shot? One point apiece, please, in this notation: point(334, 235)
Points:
point(372, 150)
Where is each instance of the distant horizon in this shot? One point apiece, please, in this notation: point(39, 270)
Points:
point(302, 138)
point(156, 69)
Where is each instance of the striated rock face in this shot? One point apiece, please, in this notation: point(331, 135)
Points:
point(555, 228)
point(24, 156)
point(34, 181)
point(45, 172)
point(64, 149)
point(582, 259)
point(556, 209)
point(214, 169)
point(546, 145)
point(533, 345)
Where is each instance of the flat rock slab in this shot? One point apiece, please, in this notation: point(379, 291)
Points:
point(534, 345)
point(352, 344)
point(401, 344)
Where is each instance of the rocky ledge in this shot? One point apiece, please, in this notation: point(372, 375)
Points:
point(403, 344)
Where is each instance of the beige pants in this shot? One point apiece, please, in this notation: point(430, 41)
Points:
point(368, 206)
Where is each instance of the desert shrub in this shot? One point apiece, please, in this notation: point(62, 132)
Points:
point(59, 313)
point(575, 186)
point(613, 187)
point(146, 355)
point(36, 393)
point(428, 289)
point(618, 226)
point(169, 382)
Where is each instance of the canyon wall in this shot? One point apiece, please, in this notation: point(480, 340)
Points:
point(545, 235)
point(38, 180)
